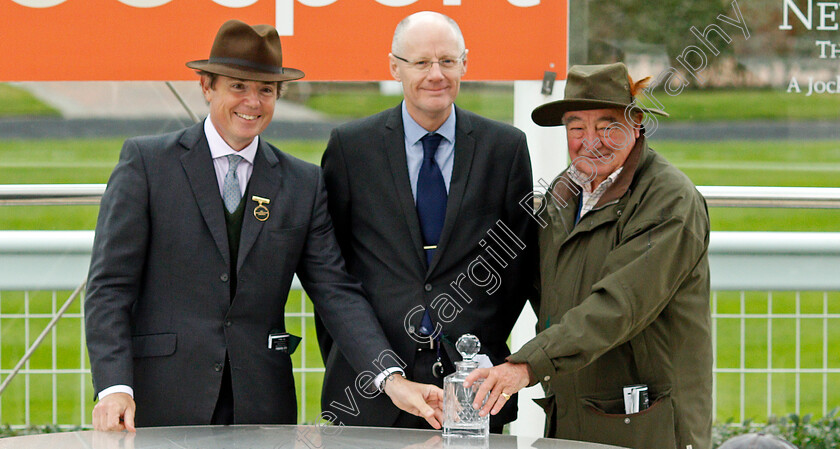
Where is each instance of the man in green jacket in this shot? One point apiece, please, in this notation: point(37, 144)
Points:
point(624, 278)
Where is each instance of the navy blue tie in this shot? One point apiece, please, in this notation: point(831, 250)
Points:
point(431, 207)
point(431, 196)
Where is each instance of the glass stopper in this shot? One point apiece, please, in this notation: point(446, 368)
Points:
point(468, 345)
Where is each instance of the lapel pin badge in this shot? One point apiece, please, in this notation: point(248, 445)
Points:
point(261, 212)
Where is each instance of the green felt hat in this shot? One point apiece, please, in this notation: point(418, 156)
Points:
point(601, 86)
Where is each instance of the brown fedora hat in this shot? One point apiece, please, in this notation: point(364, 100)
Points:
point(601, 86)
point(247, 52)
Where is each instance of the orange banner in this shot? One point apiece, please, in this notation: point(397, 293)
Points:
point(330, 40)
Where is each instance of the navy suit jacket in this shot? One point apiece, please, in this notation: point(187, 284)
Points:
point(482, 272)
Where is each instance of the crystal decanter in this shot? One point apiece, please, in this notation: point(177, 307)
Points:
point(459, 417)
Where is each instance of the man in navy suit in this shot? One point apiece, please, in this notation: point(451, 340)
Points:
point(199, 235)
point(425, 199)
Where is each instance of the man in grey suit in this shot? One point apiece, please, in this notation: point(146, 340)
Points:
point(425, 199)
point(199, 235)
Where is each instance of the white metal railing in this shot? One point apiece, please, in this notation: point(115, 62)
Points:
point(50, 194)
point(59, 379)
point(779, 197)
point(716, 196)
point(763, 326)
point(745, 265)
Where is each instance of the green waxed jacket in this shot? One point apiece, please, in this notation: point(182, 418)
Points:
point(625, 301)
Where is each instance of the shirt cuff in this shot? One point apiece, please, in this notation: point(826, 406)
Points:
point(380, 379)
point(116, 389)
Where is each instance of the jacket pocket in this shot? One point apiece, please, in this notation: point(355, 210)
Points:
point(548, 404)
point(651, 428)
point(154, 345)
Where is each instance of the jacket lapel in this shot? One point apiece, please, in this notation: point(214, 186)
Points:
point(198, 164)
point(464, 153)
point(394, 144)
point(265, 182)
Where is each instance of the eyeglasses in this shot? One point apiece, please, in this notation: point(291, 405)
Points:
point(424, 65)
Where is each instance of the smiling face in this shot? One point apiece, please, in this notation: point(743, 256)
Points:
point(429, 94)
point(239, 110)
point(599, 141)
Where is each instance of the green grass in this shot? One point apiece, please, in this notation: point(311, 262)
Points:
point(496, 105)
point(788, 163)
point(747, 104)
point(69, 386)
point(781, 333)
point(82, 161)
point(15, 102)
point(495, 100)
point(759, 163)
point(690, 105)
point(58, 161)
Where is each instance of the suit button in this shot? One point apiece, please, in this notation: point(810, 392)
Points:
point(224, 277)
point(428, 287)
point(547, 378)
point(218, 367)
point(227, 323)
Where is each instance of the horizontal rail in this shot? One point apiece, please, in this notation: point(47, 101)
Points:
point(762, 261)
point(716, 196)
point(50, 194)
point(777, 370)
point(782, 243)
point(772, 316)
point(778, 197)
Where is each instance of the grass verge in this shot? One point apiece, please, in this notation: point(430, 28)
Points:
point(495, 100)
point(16, 102)
point(788, 163)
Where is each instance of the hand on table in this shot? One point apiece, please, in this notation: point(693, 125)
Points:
point(114, 412)
point(422, 400)
point(501, 381)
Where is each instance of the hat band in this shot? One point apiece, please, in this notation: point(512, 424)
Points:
point(247, 63)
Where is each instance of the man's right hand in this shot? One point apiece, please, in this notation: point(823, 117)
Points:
point(115, 412)
point(423, 400)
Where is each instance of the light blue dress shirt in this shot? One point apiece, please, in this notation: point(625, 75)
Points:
point(445, 155)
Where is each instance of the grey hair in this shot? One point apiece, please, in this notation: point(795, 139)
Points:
point(397, 42)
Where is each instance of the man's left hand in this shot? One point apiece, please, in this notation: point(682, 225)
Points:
point(422, 400)
point(502, 381)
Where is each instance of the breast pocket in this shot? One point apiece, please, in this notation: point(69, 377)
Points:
point(650, 428)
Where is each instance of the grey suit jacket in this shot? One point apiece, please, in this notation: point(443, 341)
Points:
point(483, 270)
point(158, 311)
